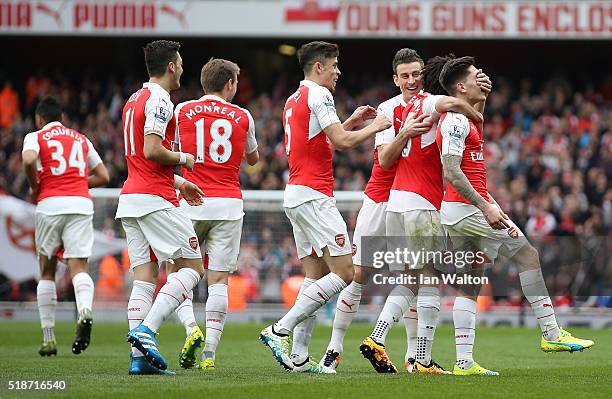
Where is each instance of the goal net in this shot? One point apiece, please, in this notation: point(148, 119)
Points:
point(267, 251)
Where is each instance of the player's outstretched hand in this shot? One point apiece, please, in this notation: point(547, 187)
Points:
point(189, 161)
point(192, 193)
point(416, 126)
point(496, 218)
point(381, 123)
point(361, 115)
point(483, 81)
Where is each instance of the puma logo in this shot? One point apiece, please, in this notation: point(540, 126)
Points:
point(347, 305)
point(55, 14)
point(179, 15)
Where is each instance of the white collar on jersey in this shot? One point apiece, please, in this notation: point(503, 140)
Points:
point(212, 97)
point(51, 124)
point(309, 83)
point(157, 87)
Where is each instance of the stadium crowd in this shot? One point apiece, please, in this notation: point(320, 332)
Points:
point(548, 150)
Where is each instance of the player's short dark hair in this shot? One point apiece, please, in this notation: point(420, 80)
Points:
point(216, 73)
point(158, 54)
point(316, 51)
point(49, 109)
point(431, 74)
point(406, 56)
point(455, 71)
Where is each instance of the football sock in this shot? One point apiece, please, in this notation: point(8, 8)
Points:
point(216, 313)
point(428, 308)
point(534, 289)
point(83, 291)
point(171, 295)
point(411, 324)
point(141, 300)
point(185, 314)
point(396, 305)
point(302, 333)
point(464, 318)
point(313, 297)
point(346, 309)
point(46, 296)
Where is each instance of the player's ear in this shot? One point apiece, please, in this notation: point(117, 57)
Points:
point(396, 80)
point(460, 87)
point(172, 67)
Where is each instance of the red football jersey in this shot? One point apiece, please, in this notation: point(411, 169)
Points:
point(307, 112)
point(459, 135)
point(419, 169)
point(380, 182)
point(216, 133)
point(64, 166)
point(148, 110)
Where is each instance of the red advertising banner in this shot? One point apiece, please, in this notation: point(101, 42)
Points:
point(312, 18)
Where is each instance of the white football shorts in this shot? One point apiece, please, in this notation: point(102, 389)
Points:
point(419, 232)
point(159, 236)
point(473, 232)
point(371, 223)
point(318, 224)
point(72, 231)
point(220, 242)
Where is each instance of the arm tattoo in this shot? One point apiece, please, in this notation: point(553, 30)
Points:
point(455, 176)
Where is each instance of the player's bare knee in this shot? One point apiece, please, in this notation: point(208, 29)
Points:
point(341, 265)
point(77, 265)
point(214, 277)
point(47, 276)
point(47, 267)
point(360, 275)
point(346, 273)
point(527, 258)
point(170, 266)
point(148, 272)
point(314, 267)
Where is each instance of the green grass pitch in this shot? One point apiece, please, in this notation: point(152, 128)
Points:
point(245, 367)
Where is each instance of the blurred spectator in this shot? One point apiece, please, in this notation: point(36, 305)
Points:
point(9, 105)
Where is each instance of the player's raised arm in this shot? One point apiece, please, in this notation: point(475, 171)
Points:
point(344, 140)
point(454, 104)
point(361, 115)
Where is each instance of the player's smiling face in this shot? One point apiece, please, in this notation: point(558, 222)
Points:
point(409, 79)
point(329, 73)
